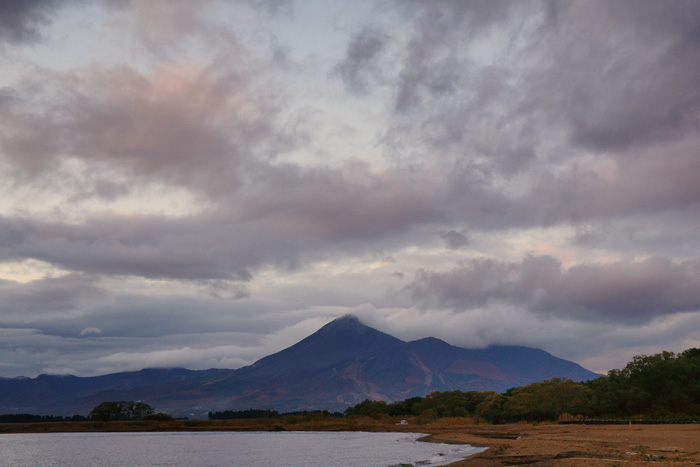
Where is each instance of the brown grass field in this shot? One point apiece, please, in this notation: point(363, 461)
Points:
point(534, 445)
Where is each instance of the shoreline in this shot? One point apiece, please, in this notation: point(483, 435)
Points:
point(536, 445)
point(578, 445)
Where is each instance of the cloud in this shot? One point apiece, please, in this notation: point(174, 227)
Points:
point(183, 125)
point(587, 65)
point(161, 20)
point(289, 212)
point(274, 7)
point(617, 292)
point(428, 72)
point(214, 131)
point(181, 191)
point(213, 357)
point(48, 299)
point(548, 125)
point(454, 239)
point(625, 93)
point(21, 20)
point(360, 59)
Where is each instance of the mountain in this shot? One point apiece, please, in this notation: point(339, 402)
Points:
point(342, 364)
point(66, 394)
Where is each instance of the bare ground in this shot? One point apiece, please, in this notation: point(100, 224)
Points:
point(578, 445)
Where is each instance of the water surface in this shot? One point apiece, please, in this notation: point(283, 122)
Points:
point(235, 449)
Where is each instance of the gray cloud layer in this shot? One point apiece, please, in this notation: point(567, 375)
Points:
point(621, 291)
point(536, 156)
point(22, 20)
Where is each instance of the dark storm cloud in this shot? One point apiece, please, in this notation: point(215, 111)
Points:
point(621, 291)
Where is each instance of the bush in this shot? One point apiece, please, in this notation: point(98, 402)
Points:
point(159, 417)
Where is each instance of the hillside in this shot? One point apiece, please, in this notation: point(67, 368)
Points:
point(341, 364)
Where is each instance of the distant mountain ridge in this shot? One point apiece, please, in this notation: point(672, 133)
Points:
point(339, 365)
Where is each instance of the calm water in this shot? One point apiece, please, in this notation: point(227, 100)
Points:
point(307, 449)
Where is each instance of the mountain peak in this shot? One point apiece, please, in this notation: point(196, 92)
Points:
point(345, 323)
point(346, 327)
point(341, 364)
point(341, 340)
point(348, 317)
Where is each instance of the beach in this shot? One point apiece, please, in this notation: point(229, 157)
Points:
point(577, 445)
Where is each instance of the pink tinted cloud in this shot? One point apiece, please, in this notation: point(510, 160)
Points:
point(183, 124)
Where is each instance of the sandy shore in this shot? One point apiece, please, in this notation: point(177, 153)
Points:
point(542, 445)
point(578, 445)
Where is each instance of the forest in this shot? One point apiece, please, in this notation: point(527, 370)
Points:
point(660, 387)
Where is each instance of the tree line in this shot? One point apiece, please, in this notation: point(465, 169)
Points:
point(665, 386)
point(110, 411)
point(29, 418)
point(106, 411)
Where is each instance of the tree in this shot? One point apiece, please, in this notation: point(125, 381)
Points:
point(493, 408)
point(368, 408)
point(139, 410)
point(121, 410)
point(159, 417)
point(548, 400)
point(106, 412)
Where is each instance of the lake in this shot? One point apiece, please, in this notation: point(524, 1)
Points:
point(235, 449)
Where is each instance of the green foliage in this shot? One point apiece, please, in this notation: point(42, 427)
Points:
point(404, 408)
point(451, 404)
point(121, 410)
point(665, 386)
point(494, 409)
point(548, 400)
point(433, 406)
point(368, 408)
point(159, 417)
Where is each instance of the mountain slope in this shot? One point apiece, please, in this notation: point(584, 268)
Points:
point(50, 394)
point(341, 364)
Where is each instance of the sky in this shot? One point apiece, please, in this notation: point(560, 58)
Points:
point(200, 184)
